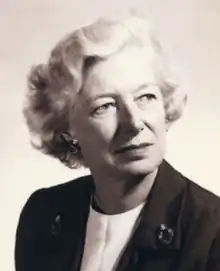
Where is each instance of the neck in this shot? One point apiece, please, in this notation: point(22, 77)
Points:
point(115, 196)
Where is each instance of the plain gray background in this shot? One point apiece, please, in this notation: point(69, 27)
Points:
point(190, 32)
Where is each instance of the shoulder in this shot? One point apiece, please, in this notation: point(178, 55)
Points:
point(194, 192)
point(38, 219)
point(198, 195)
point(201, 194)
point(51, 199)
point(196, 207)
point(205, 207)
point(200, 208)
point(199, 217)
point(65, 190)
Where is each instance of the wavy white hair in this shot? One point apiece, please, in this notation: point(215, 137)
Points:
point(53, 86)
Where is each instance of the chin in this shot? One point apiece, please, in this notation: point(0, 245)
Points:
point(140, 167)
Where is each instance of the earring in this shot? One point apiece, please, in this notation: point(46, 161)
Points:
point(74, 146)
point(72, 143)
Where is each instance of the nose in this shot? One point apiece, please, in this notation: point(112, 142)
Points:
point(131, 118)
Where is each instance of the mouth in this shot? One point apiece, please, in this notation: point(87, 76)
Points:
point(132, 147)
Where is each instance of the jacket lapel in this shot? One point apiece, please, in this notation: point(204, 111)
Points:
point(164, 207)
point(159, 227)
point(68, 227)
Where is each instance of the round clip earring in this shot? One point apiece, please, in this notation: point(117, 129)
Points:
point(71, 143)
point(74, 146)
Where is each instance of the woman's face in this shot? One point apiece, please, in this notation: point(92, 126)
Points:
point(119, 117)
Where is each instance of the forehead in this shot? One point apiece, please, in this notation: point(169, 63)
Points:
point(131, 67)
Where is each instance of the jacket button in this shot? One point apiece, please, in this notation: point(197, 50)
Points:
point(165, 235)
point(56, 226)
point(135, 258)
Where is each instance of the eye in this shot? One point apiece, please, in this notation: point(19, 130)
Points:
point(147, 97)
point(104, 109)
point(144, 100)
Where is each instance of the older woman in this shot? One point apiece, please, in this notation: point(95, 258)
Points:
point(105, 100)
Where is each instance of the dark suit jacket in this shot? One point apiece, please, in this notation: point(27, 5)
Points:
point(179, 228)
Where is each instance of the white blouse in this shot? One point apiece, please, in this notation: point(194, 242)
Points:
point(106, 238)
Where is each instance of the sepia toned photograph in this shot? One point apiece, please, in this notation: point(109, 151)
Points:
point(110, 135)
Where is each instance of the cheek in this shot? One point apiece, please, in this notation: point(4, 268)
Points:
point(97, 133)
point(160, 132)
point(157, 124)
point(160, 129)
point(157, 119)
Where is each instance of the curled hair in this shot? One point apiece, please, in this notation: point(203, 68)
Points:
point(52, 87)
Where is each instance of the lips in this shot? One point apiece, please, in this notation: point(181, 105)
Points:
point(132, 147)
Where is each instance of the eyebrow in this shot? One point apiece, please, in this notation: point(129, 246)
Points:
point(106, 95)
point(142, 86)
